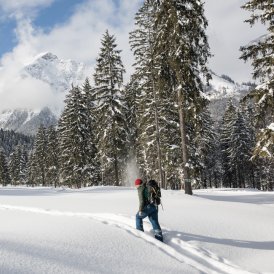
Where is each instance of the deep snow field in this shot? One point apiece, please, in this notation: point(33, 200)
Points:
point(92, 230)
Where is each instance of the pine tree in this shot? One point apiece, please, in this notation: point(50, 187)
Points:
point(24, 165)
point(240, 149)
point(131, 90)
point(77, 150)
point(39, 157)
point(228, 120)
point(248, 112)
point(14, 166)
point(182, 43)
point(52, 157)
point(89, 99)
point(18, 166)
point(261, 53)
point(108, 78)
point(31, 170)
point(142, 44)
point(205, 151)
point(170, 137)
point(4, 171)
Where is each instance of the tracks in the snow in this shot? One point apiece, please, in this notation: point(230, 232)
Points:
point(200, 259)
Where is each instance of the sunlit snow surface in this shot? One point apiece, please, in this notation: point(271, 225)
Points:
point(92, 230)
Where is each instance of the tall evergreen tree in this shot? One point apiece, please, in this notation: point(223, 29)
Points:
point(181, 41)
point(18, 166)
point(240, 151)
point(39, 157)
point(261, 53)
point(108, 78)
point(4, 171)
point(142, 43)
point(32, 170)
point(205, 151)
point(89, 98)
point(14, 166)
point(228, 120)
point(77, 150)
point(131, 90)
point(52, 157)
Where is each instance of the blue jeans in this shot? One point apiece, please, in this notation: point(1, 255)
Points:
point(150, 211)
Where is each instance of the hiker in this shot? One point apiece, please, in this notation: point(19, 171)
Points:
point(148, 207)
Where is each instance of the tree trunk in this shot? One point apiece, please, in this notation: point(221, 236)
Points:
point(186, 180)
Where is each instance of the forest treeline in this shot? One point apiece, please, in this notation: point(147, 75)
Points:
point(160, 119)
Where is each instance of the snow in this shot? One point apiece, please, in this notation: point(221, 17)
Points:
point(92, 230)
point(260, 39)
point(271, 126)
point(4, 117)
point(59, 74)
point(222, 88)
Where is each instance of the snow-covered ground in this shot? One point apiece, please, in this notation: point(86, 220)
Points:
point(92, 230)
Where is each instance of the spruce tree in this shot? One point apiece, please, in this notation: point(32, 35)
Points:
point(31, 170)
point(228, 120)
point(18, 166)
point(4, 171)
point(240, 149)
point(206, 156)
point(261, 53)
point(108, 78)
point(39, 157)
point(142, 43)
point(181, 41)
point(88, 96)
point(131, 110)
point(52, 157)
point(14, 166)
point(77, 150)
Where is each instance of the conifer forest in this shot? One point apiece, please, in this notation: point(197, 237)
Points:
point(158, 125)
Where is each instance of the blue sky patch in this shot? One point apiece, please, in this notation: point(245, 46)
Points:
point(7, 36)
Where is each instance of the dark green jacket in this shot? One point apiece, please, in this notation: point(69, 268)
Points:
point(143, 197)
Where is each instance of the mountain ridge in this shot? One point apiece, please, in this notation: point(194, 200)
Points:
point(61, 74)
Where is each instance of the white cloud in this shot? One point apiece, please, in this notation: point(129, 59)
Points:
point(21, 8)
point(28, 93)
point(227, 33)
point(79, 39)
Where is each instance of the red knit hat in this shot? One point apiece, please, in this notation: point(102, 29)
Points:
point(138, 182)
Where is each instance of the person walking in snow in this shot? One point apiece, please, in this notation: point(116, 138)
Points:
point(147, 209)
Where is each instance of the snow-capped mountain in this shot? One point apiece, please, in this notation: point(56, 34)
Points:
point(26, 121)
point(221, 87)
point(58, 75)
point(220, 90)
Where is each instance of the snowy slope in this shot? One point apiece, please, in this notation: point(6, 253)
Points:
point(59, 74)
point(26, 121)
point(221, 89)
point(92, 231)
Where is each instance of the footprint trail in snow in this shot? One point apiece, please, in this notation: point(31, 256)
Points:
point(199, 258)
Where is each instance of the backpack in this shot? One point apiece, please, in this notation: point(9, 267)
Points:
point(154, 192)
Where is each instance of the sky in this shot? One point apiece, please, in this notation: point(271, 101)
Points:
point(72, 29)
